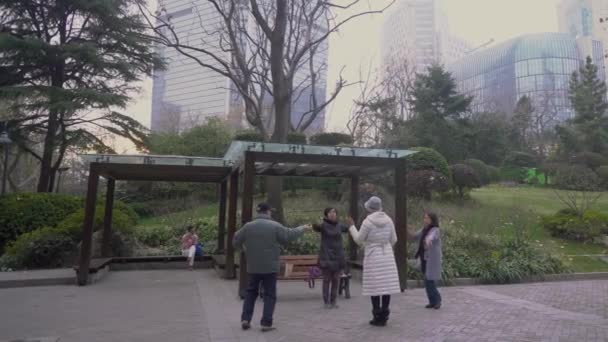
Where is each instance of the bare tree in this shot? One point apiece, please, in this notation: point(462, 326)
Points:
point(383, 102)
point(263, 46)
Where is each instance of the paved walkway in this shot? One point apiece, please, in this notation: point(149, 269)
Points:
point(176, 306)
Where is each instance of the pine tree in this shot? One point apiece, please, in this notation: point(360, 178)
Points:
point(439, 110)
point(62, 59)
point(588, 130)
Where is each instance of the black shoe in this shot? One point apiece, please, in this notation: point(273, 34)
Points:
point(267, 328)
point(437, 307)
point(429, 306)
point(377, 323)
point(245, 325)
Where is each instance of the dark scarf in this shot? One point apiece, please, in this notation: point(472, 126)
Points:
point(333, 223)
point(420, 252)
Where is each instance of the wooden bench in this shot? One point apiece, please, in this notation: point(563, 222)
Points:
point(296, 267)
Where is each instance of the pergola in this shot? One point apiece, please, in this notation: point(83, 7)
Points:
point(144, 168)
point(268, 159)
point(246, 160)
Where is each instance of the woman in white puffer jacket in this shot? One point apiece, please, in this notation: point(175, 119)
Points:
point(380, 278)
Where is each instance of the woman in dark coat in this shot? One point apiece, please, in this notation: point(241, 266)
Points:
point(332, 260)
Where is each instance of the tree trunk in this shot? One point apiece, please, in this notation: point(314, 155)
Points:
point(47, 155)
point(282, 103)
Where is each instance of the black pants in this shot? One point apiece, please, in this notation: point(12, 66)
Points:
point(381, 303)
point(330, 279)
point(269, 284)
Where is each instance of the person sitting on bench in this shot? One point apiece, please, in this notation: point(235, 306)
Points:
point(189, 242)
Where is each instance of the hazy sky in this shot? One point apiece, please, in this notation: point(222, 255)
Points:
point(357, 47)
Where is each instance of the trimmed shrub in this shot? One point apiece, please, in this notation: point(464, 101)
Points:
point(577, 178)
point(26, 212)
point(589, 159)
point(297, 138)
point(331, 139)
point(494, 174)
point(249, 135)
point(481, 169)
point(514, 174)
point(602, 173)
point(428, 159)
point(422, 183)
point(519, 159)
point(464, 178)
point(567, 224)
point(51, 246)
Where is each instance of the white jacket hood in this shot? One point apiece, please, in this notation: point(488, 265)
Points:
point(380, 219)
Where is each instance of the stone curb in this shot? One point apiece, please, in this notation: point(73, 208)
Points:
point(472, 281)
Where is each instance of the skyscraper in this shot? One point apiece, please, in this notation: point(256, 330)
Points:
point(186, 93)
point(417, 31)
point(581, 18)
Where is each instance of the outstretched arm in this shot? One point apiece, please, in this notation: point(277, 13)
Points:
point(285, 235)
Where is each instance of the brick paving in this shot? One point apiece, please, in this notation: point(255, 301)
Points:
point(198, 306)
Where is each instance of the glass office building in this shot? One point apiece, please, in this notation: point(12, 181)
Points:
point(537, 65)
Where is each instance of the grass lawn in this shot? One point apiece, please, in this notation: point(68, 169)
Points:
point(535, 202)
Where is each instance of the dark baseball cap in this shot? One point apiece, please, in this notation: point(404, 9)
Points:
point(263, 207)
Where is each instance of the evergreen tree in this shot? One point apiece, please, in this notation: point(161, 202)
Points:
point(521, 124)
point(588, 130)
point(439, 110)
point(62, 59)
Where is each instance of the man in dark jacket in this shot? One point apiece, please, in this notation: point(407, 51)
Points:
point(262, 239)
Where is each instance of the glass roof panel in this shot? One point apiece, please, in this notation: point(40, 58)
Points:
point(156, 160)
point(237, 150)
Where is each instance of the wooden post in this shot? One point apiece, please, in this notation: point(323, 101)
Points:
point(354, 213)
point(232, 210)
point(401, 222)
point(87, 233)
point(246, 214)
point(106, 243)
point(221, 226)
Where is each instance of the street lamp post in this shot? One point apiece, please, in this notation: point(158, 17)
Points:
point(5, 141)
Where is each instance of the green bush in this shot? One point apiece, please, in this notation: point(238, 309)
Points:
point(484, 257)
point(514, 174)
point(297, 138)
point(494, 174)
point(464, 178)
point(249, 135)
point(567, 224)
point(26, 212)
point(577, 178)
point(428, 159)
point(331, 139)
point(602, 172)
point(589, 159)
point(481, 169)
point(519, 159)
point(50, 246)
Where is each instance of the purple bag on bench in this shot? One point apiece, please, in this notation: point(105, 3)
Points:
point(313, 273)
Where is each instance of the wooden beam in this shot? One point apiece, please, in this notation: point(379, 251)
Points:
point(246, 213)
point(354, 213)
point(87, 230)
point(232, 211)
point(401, 222)
point(106, 243)
point(221, 225)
